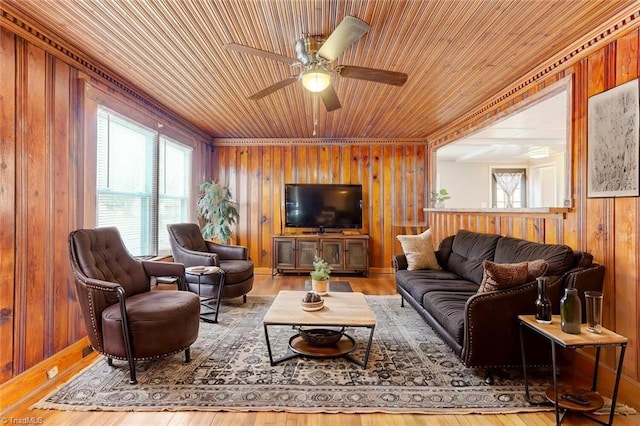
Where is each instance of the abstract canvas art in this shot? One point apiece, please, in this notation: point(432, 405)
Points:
point(614, 142)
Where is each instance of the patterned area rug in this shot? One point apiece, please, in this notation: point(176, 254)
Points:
point(410, 370)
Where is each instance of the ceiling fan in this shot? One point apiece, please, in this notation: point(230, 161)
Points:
point(315, 54)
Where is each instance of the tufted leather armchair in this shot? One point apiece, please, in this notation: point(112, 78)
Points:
point(190, 248)
point(123, 317)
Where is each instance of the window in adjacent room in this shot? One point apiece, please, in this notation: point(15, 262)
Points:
point(142, 182)
point(509, 188)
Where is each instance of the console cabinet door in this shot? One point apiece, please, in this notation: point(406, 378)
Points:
point(333, 254)
point(307, 251)
point(284, 253)
point(356, 255)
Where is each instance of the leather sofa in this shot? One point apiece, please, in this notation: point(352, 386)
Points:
point(482, 327)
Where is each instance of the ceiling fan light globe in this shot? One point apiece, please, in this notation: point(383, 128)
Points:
point(315, 80)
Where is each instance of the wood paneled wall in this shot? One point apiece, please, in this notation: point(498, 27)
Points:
point(609, 228)
point(392, 177)
point(39, 316)
point(41, 174)
point(42, 198)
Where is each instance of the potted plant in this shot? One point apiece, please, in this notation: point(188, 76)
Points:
point(320, 276)
point(217, 210)
point(439, 197)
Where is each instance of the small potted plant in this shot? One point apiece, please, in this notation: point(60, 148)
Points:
point(439, 197)
point(320, 276)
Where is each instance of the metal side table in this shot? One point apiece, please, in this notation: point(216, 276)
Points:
point(201, 271)
point(585, 339)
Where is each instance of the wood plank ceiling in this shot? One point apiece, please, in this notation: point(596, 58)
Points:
point(458, 55)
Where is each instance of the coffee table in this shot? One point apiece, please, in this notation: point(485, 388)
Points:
point(340, 309)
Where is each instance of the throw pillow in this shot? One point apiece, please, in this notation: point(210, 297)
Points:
point(419, 251)
point(500, 276)
point(537, 268)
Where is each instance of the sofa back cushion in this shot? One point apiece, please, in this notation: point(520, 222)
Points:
point(468, 251)
point(559, 257)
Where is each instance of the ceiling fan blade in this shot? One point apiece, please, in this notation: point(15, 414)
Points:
point(372, 74)
point(345, 34)
point(269, 90)
point(330, 99)
point(258, 52)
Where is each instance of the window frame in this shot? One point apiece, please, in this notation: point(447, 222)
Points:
point(95, 95)
point(523, 185)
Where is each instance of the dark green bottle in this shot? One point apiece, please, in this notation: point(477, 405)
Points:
point(570, 311)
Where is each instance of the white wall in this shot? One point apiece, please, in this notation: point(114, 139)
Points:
point(469, 184)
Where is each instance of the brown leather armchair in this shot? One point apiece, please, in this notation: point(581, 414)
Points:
point(190, 248)
point(123, 317)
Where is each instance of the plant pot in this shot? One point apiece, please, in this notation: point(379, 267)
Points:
point(320, 287)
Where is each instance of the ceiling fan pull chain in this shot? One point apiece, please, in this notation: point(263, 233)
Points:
point(315, 112)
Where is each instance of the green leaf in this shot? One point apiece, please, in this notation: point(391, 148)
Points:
point(216, 207)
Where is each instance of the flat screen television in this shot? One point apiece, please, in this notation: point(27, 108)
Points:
point(323, 206)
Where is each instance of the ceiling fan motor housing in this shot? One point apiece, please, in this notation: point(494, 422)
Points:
point(307, 48)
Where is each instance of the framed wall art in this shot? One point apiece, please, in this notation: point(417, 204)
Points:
point(613, 165)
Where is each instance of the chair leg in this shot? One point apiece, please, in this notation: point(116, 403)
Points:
point(244, 298)
point(489, 377)
point(401, 302)
point(110, 361)
point(132, 374)
point(187, 355)
point(126, 336)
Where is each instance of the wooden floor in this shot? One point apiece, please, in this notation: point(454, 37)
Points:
point(266, 285)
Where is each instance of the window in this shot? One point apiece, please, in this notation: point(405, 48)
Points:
point(142, 183)
point(174, 184)
point(508, 188)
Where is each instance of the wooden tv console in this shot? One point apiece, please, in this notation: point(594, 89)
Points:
point(344, 252)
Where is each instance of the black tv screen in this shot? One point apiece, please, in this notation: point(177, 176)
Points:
point(323, 206)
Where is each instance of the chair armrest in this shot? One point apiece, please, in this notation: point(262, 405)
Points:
point(100, 285)
point(196, 258)
point(228, 252)
point(166, 269)
point(491, 320)
point(163, 269)
point(399, 262)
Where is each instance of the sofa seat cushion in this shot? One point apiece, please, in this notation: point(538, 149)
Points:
point(447, 308)
point(559, 257)
point(418, 283)
point(468, 251)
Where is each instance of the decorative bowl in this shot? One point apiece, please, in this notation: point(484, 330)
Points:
point(321, 336)
point(312, 306)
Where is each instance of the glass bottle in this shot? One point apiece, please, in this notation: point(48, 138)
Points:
point(543, 304)
point(570, 311)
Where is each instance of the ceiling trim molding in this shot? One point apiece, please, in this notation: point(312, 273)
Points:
point(315, 141)
point(626, 21)
point(52, 43)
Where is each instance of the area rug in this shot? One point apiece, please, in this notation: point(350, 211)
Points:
point(410, 370)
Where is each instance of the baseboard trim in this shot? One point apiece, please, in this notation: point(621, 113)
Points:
point(35, 378)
